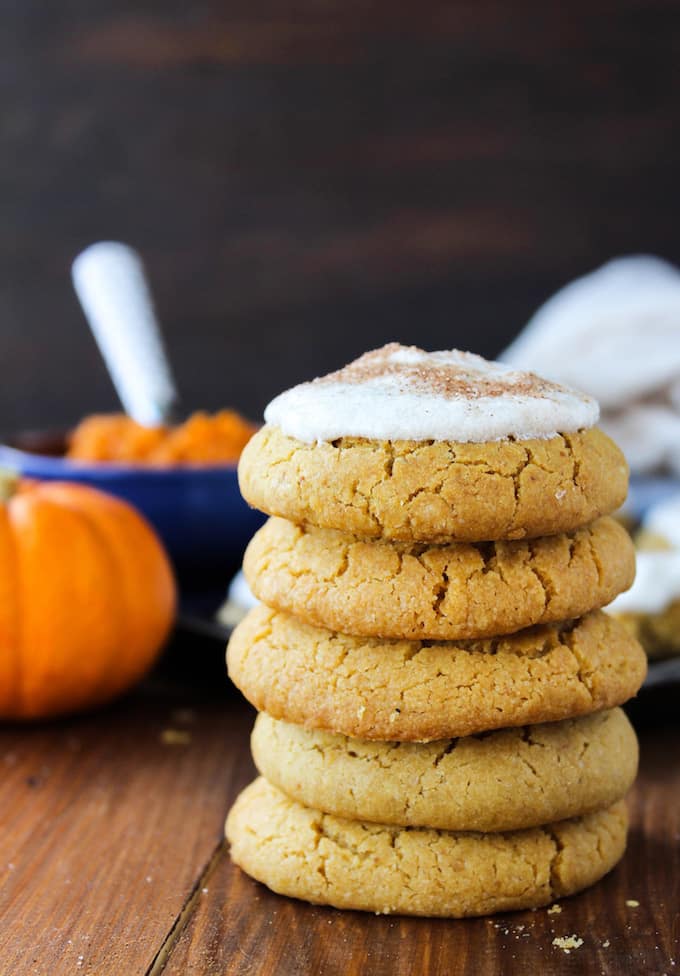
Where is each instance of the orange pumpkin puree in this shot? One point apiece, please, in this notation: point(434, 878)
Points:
point(202, 439)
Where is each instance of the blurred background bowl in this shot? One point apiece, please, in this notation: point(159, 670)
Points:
point(646, 491)
point(197, 510)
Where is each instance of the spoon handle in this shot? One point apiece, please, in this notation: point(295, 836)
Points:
point(112, 287)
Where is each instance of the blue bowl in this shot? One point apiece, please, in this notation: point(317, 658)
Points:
point(198, 511)
point(646, 491)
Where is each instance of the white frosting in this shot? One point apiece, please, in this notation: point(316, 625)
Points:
point(657, 578)
point(404, 393)
point(656, 586)
point(664, 520)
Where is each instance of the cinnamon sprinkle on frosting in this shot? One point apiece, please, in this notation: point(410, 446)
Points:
point(404, 393)
point(439, 374)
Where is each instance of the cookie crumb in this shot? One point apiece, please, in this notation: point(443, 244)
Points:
point(632, 903)
point(554, 910)
point(175, 737)
point(567, 942)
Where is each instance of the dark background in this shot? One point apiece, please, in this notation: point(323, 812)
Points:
point(308, 180)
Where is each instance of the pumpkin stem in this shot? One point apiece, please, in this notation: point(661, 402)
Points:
point(9, 482)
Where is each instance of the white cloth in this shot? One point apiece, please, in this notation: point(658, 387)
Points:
point(615, 334)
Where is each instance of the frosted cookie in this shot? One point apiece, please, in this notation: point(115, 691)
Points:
point(443, 592)
point(505, 780)
point(415, 446)
point(303, 853)
point(423, 690)
point(651, 608)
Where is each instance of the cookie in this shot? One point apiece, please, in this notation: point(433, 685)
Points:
point(505, 780)
point(301, 852)
point(436, 491)
point(659, 633)
point(420, 447)
point(423, 690)
point(651, 608)
point(436, 592)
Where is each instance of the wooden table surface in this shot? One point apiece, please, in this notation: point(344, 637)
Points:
point(112, 862)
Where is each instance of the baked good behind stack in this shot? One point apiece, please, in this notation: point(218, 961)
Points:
point(438, 685)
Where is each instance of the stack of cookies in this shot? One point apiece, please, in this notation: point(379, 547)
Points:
point(438, 686)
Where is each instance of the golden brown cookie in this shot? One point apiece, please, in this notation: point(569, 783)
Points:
point(505, 780)
point(427, 491)
point(659, 633)
point(423, 690)
point(303, 853)
point(446, 592)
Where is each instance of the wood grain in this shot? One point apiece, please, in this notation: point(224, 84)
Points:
point(239, 927)
point(107, 824)
point(112, 862)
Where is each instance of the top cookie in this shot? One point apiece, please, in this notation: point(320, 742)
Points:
point(438, 447)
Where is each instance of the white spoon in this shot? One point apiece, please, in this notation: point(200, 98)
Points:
point(111, 285)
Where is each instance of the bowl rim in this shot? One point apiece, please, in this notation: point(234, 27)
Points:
point(107, 470)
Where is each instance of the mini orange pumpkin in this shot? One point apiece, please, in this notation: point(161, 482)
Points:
point(87, 597)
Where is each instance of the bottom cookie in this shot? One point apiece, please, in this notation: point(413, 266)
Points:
point(303, 853)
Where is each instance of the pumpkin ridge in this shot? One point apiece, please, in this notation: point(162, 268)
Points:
point(18, 510)
point(146, 629)
point(110, 556)
point(59, 667)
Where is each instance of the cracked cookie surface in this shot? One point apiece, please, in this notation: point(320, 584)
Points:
point(423, 690)
point(303, 853)
point(506, 780)
point(443, 592)
point(436, 491)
